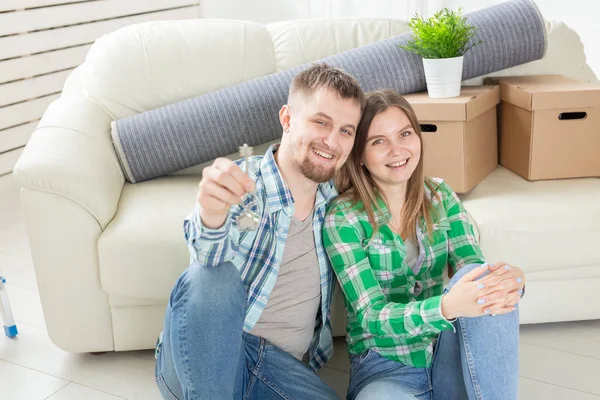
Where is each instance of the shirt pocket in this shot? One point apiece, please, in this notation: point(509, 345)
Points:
point(442, 225)
point(380, 252)
point(441, 230)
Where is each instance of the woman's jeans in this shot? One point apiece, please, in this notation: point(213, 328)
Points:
point(206, 355)
point(479, 361)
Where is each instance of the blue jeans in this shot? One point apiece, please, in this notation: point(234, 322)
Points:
point(206, 355)
point(479, 361)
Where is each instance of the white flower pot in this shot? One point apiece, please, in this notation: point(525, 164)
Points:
point(443, 76)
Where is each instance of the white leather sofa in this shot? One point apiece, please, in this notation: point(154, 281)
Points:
point(107, 253)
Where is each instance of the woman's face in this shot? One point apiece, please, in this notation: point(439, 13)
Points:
point(393, 149)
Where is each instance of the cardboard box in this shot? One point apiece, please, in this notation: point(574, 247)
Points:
point(460, 142)
point(549, 126)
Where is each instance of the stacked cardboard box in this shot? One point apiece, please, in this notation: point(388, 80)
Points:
point(549, 126)
point(460, 141)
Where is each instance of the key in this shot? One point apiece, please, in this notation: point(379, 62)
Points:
point(248, 220)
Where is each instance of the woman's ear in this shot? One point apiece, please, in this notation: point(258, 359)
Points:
point(284, 117)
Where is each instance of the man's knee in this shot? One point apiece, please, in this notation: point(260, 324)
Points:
point(201, 283)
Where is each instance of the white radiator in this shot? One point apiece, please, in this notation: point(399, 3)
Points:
point(42, 41)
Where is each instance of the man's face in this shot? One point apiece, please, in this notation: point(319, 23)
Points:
point(319, 130)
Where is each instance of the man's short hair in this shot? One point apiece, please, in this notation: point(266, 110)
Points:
point(324, 76)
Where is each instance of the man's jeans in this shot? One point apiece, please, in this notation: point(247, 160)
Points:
point(479, 361)
point(206, 355)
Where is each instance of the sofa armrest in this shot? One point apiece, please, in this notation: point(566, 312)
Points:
point(70, 155)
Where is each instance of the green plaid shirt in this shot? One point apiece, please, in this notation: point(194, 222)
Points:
point(393, 308)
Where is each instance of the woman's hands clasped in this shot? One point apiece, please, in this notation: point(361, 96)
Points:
point(496, 293)
point(503, 288)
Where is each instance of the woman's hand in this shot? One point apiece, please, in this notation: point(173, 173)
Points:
point(462, 299)
point(503, 288)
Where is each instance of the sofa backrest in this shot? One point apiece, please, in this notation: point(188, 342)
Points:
point(148, 65)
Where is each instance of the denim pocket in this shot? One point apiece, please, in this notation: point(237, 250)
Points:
point(357, 360)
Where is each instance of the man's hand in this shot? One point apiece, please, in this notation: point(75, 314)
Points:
point(223, 184)
point(503, 288)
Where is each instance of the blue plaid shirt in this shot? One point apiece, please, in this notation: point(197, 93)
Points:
point(257, 254)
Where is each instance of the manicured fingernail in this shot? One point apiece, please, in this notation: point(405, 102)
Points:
point(519, 280)
point(507, 267)
point(484, 265)
point(480, 286)
point(487, 311)
point(514, 308)
point(481, 301)
point(493, 315)
point(520, 291)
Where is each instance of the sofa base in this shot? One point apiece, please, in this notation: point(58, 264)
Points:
point(547, 299)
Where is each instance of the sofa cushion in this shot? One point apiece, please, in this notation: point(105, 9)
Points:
point(539, 226)
point(298, 42)
point(145, 66)
point(142, 251)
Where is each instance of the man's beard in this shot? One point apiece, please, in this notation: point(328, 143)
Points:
point(315, 173)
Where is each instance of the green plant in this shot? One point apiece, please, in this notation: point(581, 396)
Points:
point(444, 35)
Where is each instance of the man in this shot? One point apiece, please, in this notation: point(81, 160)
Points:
point(250, 308)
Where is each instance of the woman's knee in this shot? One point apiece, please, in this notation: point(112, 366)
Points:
point(385, 390)
point(463, 271)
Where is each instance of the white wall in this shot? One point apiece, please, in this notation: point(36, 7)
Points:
point(266, 11)
point(580, 15)
point(263, 11)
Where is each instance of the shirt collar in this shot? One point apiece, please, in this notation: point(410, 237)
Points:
point(384, 215)
point(278, 194)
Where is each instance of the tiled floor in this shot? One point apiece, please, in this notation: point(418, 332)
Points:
point(558, 361)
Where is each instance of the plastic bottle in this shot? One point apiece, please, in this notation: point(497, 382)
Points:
point(10, 329)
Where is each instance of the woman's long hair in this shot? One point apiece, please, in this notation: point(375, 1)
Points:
point(355, 182)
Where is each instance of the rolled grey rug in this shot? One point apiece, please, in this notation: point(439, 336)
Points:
point(193, 131)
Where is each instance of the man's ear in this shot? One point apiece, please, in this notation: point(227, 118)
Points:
point(284, 117)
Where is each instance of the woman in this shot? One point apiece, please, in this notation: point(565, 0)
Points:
point(408, 336)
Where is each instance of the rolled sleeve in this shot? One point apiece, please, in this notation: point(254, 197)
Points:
point(463, 248)
point(208, 246)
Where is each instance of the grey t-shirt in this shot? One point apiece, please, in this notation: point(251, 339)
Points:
point(412, 252)
point(288, 320)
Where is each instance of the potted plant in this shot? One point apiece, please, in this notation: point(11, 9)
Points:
point(441, 40)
